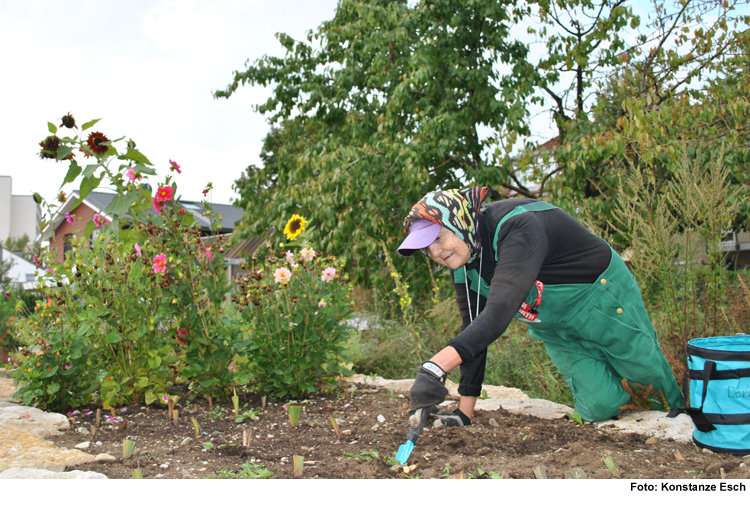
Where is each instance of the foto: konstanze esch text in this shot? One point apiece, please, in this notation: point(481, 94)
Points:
point(687, 486)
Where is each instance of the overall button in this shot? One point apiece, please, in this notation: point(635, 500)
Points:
point(604, 281)
point(619, 311)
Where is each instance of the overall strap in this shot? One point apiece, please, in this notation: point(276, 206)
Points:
point(534, 206)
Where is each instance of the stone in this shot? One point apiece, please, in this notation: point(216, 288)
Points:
point(31, 419)
point(544, 409)
point(7, 388)
point(83, 431)
point(23, 449)
point(164, 465)
point(186, 441)
point(493, 422)
point(38, 473)
point(375, 427)
point(83, 445)
point(655, 424)
point(651, 441)
point(104, 458)
point(381, 418)
point(726, 464)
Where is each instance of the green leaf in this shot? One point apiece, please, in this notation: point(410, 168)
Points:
point(150, 397)
point(136, 156)
point(73, 171)
point(120, 205)
point(63, 152)
point(154, 362)
point(88, 185)
point(53, 388)
point(89, 124)
point(113, 337)
point(53, 130)
point(145, 170)
point(88, 229)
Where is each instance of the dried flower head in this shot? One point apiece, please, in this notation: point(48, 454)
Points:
point(68, 121)
point(49, 147)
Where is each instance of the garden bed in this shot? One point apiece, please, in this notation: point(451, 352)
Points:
point(498, 444)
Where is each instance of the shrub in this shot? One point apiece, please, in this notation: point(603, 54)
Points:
point(295, 306)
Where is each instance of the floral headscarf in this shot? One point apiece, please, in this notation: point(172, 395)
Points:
point(456, 210)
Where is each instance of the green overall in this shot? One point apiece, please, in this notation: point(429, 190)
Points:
point(597, 335)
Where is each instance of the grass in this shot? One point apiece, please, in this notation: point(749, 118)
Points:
point(246, 471)
point(389, 349)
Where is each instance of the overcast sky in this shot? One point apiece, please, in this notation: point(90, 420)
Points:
point(147, 68)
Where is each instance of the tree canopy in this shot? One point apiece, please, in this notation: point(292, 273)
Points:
point(392, 99)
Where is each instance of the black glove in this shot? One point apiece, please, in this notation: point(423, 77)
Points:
point(453, 419)
point(429, 389)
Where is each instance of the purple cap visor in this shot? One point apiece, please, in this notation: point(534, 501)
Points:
point(421, 235)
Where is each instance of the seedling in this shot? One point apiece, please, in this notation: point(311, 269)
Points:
point(294, 415)
point(98, 418)
point(364, 455)
point(248, 414)
point(299, 465)
point(540, 472)
point(247, 471)
point(246, 437)
point(208, 446)
point(336, 428)
point(491, 475)
point(611, 466)
point(128, 446)
point(175, 417)
point(196, 427)
point(236, 403)
point(137, 474)
point(575, 416)
point(263, 401)
point(484, 395)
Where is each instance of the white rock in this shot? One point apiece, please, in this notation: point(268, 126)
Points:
point(165, 465)
point(98, 443)
point(83, 445)
point(186, 441)
point(374, 427)
point(381, 418)
point(38, 473)
point(83, 431)
point(104, 458)
point(340, 421)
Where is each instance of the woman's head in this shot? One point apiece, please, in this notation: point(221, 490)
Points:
point(448, 217)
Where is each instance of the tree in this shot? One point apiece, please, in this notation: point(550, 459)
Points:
point(380, 105)
point(639, 94)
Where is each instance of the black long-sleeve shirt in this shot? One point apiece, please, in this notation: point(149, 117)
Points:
point(549, 246)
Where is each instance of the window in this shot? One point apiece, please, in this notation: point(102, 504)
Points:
point(68, 246)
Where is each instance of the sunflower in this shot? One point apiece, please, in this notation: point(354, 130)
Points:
point(49, 147)
point(68, 121)
point(95, 141)
point(294, 227)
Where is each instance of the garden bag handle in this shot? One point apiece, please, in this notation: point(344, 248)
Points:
point(696, 414)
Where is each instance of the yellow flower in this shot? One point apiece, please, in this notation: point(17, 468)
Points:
point(294, 227)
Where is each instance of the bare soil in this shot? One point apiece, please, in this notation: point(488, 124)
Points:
point(373, 425)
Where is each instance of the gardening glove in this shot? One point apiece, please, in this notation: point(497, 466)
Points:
point(427, 392)
point(452, 419)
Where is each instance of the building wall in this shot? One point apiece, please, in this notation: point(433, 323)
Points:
point(22, 272)
point(19, 214)
point(6, 198)
point(25, 217)
point(84, 215)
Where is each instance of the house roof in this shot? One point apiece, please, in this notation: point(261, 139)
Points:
point(98, 201)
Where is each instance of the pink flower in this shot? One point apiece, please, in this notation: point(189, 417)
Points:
point(164, 194)
point(37, 262)
point(180, 334)
point(181, 211)
point(70, 218)
point(282, 275)
point(100, 220)
point(307, 254)
point(165, 399)
point(38, 352)
point(328, 274)
point(160, 263)
point(290, 258)
point(130, 174)
point(322, 303)
point(157, 207)
point(209, 254)
point(233, 368)
point(174, 166)
point(138, 250)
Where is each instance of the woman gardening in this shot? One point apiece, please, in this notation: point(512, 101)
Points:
point(529, 260)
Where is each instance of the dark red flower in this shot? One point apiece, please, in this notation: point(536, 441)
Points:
point(95, 141)
point(182, 211)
